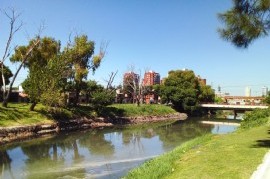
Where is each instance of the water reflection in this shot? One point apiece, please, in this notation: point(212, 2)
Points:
point(107, 153)
point(5, 162)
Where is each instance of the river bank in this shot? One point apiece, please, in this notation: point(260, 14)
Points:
point(109, 152)
point(82, 121)
point(234, 155)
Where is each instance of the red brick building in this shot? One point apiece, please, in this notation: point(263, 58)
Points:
point(151, 78)
point(128, 84)
point(201, 80)
point(130, 77)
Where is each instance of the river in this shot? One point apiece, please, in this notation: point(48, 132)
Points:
point(98, 153)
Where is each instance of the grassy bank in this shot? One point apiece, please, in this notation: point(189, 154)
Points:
point(234, 155)
point(19, 114)
point(144, 109)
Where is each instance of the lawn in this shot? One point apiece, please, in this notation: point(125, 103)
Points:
point(18, 114)
point(234, 155)
point(144, 109)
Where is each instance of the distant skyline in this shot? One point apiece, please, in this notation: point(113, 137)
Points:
point(153, 35)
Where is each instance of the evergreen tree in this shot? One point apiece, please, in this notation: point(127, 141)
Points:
point(246, 21)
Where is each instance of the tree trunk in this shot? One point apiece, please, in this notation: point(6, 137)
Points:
point(6, 98)
point(4, 104)
point(77, 95)
point(32, 106)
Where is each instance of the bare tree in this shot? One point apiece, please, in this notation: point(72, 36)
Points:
point(133, 84)
point(110, 80)
point(13, 17)
point(13, 28)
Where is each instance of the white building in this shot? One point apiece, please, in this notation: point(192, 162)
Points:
point(264, 91)
point(248, 92)
point(20, 89)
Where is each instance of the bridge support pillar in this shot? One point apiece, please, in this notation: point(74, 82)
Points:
point(234, 114)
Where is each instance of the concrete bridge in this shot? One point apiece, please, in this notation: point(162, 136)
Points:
point(236, 108)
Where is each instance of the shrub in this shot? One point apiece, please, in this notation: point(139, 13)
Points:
point(255, 118)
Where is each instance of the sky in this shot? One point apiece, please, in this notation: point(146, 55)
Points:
point(156, 35)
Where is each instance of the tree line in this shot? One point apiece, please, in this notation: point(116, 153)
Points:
point(57, 76)
point(53, 71)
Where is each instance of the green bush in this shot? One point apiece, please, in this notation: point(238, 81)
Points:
point(255, 118)
point(101, 99)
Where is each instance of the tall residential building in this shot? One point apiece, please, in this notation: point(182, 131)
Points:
point(248, 92)
point(264, 91)
point(129, 78)
point(151, 78)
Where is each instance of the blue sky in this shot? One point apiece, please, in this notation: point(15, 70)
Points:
point(154, 35)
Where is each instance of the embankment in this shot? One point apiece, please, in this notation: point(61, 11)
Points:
point(14, 133)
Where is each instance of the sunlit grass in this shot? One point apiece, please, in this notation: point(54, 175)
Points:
point(234, 155)
point(144, 109)
point(19, 114)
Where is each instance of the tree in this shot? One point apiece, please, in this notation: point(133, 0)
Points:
point(90, 88)
point(41, 76)
point(246, 21)
point(267, 99)
point(13, 17)
point(133, 86)
point(182, 89)
point(80, 54)
point(23, 55)
point(7, 75)
point(44, 84)
point(207, 94)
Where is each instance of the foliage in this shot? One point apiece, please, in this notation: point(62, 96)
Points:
point(267, 99)
point(206, 94)
point(7, 75)
point(255, 118)
point(53, 78)
point(89, 87)
point(81, 59)
point(102, 98)
point(246, 21)
point(183, 90)
point(218, 100)
point(46, 69)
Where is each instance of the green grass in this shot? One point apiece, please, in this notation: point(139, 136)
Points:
point(19, 114)
point(234, 155)
point(144, 109)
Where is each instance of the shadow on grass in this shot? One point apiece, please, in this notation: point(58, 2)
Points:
point(12, 114)
point(264, 143)
point(110, 112)
point(57, 115)
point(67, 114)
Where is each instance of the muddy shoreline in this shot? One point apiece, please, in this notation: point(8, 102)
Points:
point(16, 133)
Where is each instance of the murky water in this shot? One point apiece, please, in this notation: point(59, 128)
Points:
point(98, 153)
